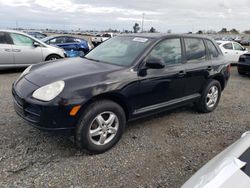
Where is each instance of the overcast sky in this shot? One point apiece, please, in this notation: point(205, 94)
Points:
point(177, 15)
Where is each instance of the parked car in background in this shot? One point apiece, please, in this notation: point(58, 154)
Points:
point(245, 42)
point(229, 169)
point(244, 64)
point(99, 38)
point(18, 49)
point(72, 45)
point(36, 34)
point(122, 79)
point(232, 50)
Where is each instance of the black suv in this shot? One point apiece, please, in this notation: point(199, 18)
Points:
point(124, 78)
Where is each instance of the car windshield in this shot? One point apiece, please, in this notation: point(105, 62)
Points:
point(119, 50)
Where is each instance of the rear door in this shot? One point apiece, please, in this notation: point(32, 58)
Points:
point(24, 51)
point(6, 54)
point(228, 51)
point(197, 65)
point(160, 86)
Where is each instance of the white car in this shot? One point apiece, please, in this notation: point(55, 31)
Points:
point(18, 49)
point(231, 50)
point(229, 169)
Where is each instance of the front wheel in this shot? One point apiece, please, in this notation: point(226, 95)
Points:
point(210, 97)
point(100, 127)
point(52, 57)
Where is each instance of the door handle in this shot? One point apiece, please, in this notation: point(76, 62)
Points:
point(181, 74)
point(16, 50)
point(7, 50)
point(209, 68)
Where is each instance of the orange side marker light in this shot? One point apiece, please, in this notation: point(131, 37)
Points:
point(74, 110)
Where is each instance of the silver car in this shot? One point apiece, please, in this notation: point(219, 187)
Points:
point(229, 169)
point(18, 49)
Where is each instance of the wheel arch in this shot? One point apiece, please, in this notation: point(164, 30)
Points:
point(221, 80)
point(46, 58)
point(115, 97)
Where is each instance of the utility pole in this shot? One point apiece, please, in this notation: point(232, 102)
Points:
point(142, 23)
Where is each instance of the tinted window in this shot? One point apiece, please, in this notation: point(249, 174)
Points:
point(238, 47)
point(57, 40)
point(4, 39)
point(71, 39)
point(195, 49)
point(228, 46)
point(169, 51)
point(213, 52)
point(21, 40)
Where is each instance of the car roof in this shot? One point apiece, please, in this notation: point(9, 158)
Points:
point(164, 35)
point(55, 36)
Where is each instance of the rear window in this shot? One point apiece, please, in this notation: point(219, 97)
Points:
point(195, 50)
point(213, 52)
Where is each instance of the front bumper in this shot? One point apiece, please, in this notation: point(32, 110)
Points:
point(50, 116)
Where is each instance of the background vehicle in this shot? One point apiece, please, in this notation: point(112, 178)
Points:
point(99, 38)
point(122, 79)
point(229, 169)
point(245, 41)
point(18, 49)
point(244, 64)
point(72, 45)
point(36, 34)
point(231, 50)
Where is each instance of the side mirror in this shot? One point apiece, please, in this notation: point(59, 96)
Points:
point(36, 44)
point(155, 63)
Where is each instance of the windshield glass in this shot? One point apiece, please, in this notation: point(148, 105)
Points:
point(119, 50)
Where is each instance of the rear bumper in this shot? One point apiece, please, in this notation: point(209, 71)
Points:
point(244, 68)
point(45, 116)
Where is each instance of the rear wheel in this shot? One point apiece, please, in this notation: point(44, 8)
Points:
point(210, 97)
point(52, 57)
point(100, 127)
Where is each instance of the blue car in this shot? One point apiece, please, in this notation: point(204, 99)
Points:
point(73, 46)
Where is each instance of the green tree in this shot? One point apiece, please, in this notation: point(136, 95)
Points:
point(136, 28)
point(152, 30)
point(223, 30)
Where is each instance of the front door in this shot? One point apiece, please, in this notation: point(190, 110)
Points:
point(160, 86)
point(24, 50)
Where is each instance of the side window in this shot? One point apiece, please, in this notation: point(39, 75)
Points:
point(70, 40)
point(213, 52)
point(228, 46)
point(57, 40)
point(238, 47)
point(169, 51)
point(4, 38)
point(195, 50)
point(21, 40)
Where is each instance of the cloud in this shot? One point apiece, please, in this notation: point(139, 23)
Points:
point(178, 15)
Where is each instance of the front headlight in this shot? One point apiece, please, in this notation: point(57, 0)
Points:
point(49, 92)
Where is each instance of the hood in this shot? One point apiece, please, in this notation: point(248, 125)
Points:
point(45, 73)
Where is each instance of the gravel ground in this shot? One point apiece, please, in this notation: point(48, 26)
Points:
point(160, 151)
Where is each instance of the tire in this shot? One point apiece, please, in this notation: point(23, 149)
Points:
point(52, 57)
point(95, 119)
point(210, 97)
point(241, 73)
